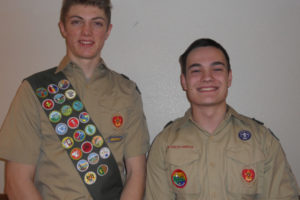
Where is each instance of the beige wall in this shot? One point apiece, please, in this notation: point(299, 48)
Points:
point(262, 38)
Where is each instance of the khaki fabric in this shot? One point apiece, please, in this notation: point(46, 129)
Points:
point(28, 137)
point(213, 163)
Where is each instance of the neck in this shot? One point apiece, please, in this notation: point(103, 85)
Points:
point(209, 117)
point(87, 65)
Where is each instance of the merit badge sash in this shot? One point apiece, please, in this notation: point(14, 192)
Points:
point(78, 135)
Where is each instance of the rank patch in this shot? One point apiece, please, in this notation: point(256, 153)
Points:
point(53, 89)
point(48, 104)
point(55, 116)
point(90, 178)
point(179, 178)
point(248, 175)
point(82, 165)
point(117, 121)
point(61, 129)
point(41, 92)
point(97, 141)
point(76, 154)
point(93, 158)
point(244, 135)
point(79, 135)
point(73, 122)
point(102, 170)
point(104, 153)
point(64, 84)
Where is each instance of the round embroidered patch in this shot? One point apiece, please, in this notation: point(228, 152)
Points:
point(90, 178)
point(97, 141)
point(248, 175)
point(76, 154)
point(79, 135)
point(117, 121)
point(41, 92)
point(48, 104)
point(73, 122)
point(59, 98)
point(66, 110)
point(244, 135)
point(77, 105)
point(90, 129)
point(86, 147)
point(84, 117)
point(63, 84)
point(53, 89)
point(67, 142)
point(104, 152)
point(102, 170)
point(61, 129)
point(179, 178)
point(55, 116)
point(93, 158)
point(70, 94)
point(82, 165)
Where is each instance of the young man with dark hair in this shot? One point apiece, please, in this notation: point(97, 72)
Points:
point(213, 152)
point(77, 131)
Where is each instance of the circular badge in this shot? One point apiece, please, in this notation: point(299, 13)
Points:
point(79, 135)
point(97, 141)
point(76, 154)
point(248, 175)
point(55, 116)
point(82, 165)
point(86, 147)
point(244, 135)
point(63, 84)
point(77, 105)
point(93, 158)
point(70, 94)
point(104, 152)
point(66, 110)
point(53, 89)
point(90, 129)
point(59, 98)
point(102, 170)
point(67, 142)
point(61, 129)
point(90, 178)
point(41, 92)
point(117, 121)
point(48, 104)
point(84, 117)
point(73, 122)
point(179, 178)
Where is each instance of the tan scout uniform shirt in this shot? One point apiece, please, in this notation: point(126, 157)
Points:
point(225, 165)
point(28, 137)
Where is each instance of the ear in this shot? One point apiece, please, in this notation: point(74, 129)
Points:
point(183, 82)
point(229, 78)
point(62, 29)
point(108, 31)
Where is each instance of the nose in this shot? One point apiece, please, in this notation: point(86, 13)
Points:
point(86, 29)
point(207, 76)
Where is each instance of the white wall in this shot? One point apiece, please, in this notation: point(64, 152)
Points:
point(261, 36)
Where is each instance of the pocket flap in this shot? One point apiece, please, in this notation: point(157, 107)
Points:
point(246, 156)
point(182, 156)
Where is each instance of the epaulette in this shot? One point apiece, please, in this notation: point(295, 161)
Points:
point(170, 122)
point(126, 77)
point(273, 134)
point(261, 123)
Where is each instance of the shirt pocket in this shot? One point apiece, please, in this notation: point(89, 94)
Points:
point(183, 170)
point(244, 171)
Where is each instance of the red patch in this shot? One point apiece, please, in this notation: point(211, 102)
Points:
point(117, 121)
point(248, 175)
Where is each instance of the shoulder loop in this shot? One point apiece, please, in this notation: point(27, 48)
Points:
point(170, 122)
point(273, 135)
point(138, 90)
point(126, 77)
point(261, 123)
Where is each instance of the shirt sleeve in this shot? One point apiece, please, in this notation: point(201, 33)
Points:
point(19, 134)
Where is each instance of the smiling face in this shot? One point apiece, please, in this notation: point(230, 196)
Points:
point(85, 30)
point(207, 77)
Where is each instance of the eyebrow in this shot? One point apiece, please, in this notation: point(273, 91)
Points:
point(79, 17)
point(212, 64)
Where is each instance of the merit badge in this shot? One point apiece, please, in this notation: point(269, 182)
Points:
point(244, 135)
point(67, 142)
point(90, 129)
point(93, 158)
point(113, 139)
point(84, 117)
point(41, 92)
point(104, 152)
point(90, 178)
point(48, 104)
point(76, 154)
point(53, 89)
point(117, 121)
point(82, 165)
point(70, 94)
point(63, 84)
point(73, 122)
point(66, 110)
point(86, 147)
point(248, 175)
point(59, 98)
point(61, 129)
point(55, 116)
point(79, 135)
point(97, 141)
point(77, 105)
point(102, 170)
point(179, 178)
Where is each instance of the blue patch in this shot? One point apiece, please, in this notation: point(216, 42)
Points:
point(244, 135)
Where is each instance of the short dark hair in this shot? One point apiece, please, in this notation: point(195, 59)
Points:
point(202, 42)
point(101, 4)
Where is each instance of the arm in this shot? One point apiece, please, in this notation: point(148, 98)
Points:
point(19, 181)
point(135, 181)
